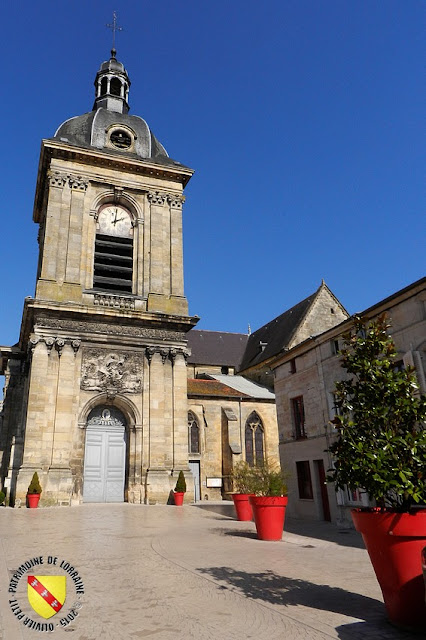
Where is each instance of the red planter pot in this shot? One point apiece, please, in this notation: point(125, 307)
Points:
point(242, 506)
point(269, 515)
point(178, 498)
point(394, 542)
point(32, 499)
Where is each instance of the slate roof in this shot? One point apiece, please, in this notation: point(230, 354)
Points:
point(212, 388)
point(245, 386)
point(216, 347)
point(89, 131)
point(275, 335)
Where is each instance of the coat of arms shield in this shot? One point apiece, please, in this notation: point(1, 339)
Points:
point(46, 594)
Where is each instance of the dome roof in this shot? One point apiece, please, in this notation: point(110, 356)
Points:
point(104, 129)
point(109, 126)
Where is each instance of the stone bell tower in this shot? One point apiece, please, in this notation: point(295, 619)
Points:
point(96, 389)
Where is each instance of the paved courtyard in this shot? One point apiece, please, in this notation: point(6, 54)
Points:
point(175, 573)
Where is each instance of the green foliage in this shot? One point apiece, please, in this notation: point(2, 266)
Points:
point(181, 483)
point(381, 444)
point(243, 477)
point(269, 480)
point(34, 486)
point(2, 496)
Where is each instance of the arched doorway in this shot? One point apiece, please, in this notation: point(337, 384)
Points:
point(105, 455)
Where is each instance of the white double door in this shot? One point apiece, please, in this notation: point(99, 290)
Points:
point(104, 463)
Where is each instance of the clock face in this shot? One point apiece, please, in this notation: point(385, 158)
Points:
point(115, 221)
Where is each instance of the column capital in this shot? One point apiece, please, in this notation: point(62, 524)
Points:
point(157, 197)
point(78, 183)
point(57, 179)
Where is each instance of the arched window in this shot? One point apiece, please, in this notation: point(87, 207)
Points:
point(104, 86)
point(193, 433)
point(254, 440)
point(115, 87)
point(113, 263)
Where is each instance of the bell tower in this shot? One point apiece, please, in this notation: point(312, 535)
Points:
point(101, 361)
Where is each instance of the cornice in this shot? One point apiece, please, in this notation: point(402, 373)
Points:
point(102, 159)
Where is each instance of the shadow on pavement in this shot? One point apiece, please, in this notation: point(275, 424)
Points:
point(281, 590)
point(238, 533)
point(358, 630)
point(224, 508)
point(325, 531)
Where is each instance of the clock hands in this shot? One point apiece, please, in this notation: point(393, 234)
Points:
point(115, 220)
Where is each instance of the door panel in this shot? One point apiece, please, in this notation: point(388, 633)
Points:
point(194, 466)
point(104, 464)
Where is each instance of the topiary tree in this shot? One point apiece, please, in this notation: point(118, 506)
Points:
point(35, 486)
point(181, 483)
point(381, 443)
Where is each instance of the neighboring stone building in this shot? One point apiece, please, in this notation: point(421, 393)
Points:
point(318, 312)
point(96, 388)
point(304, 385)
point(230, 418)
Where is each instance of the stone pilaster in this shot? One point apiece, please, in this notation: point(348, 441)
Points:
point(176, 261)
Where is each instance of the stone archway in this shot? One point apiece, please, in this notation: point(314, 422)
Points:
point(105, 455)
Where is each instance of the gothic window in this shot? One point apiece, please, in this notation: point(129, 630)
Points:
point(254, 440)
point(193, 433)
point(113, 260)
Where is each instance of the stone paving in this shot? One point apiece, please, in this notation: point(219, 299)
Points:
point(191, 572)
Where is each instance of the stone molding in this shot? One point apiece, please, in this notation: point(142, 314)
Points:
point(59, 180)
point(78, 183)
point(53, 341)
point(160, 198)
point(111, 371)
point(175, 201)
point(100, 327)
point(165, 354)
point(157, 197)
point(113, 301)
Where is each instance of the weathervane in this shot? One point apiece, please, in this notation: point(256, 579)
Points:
point(114, 28)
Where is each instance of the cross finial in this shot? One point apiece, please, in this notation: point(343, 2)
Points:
point(114, 28)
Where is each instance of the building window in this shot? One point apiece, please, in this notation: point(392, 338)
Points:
point(334, 409)
point(224, 370)
point(254, 440)
point(113, 260)
point(335, 347)
point(193, 433)
point(304, 480)
point(293, 365)
point(353, 496)
point(298, 417)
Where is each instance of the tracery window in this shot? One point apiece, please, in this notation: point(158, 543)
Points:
point(254, 440)
point(193, 433)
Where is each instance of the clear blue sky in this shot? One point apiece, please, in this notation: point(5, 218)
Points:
point(301, 118)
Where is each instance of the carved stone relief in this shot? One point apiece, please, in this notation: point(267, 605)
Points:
point(58, 179)
point(111, 371)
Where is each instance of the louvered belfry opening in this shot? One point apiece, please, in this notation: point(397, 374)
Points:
point(113, 264)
